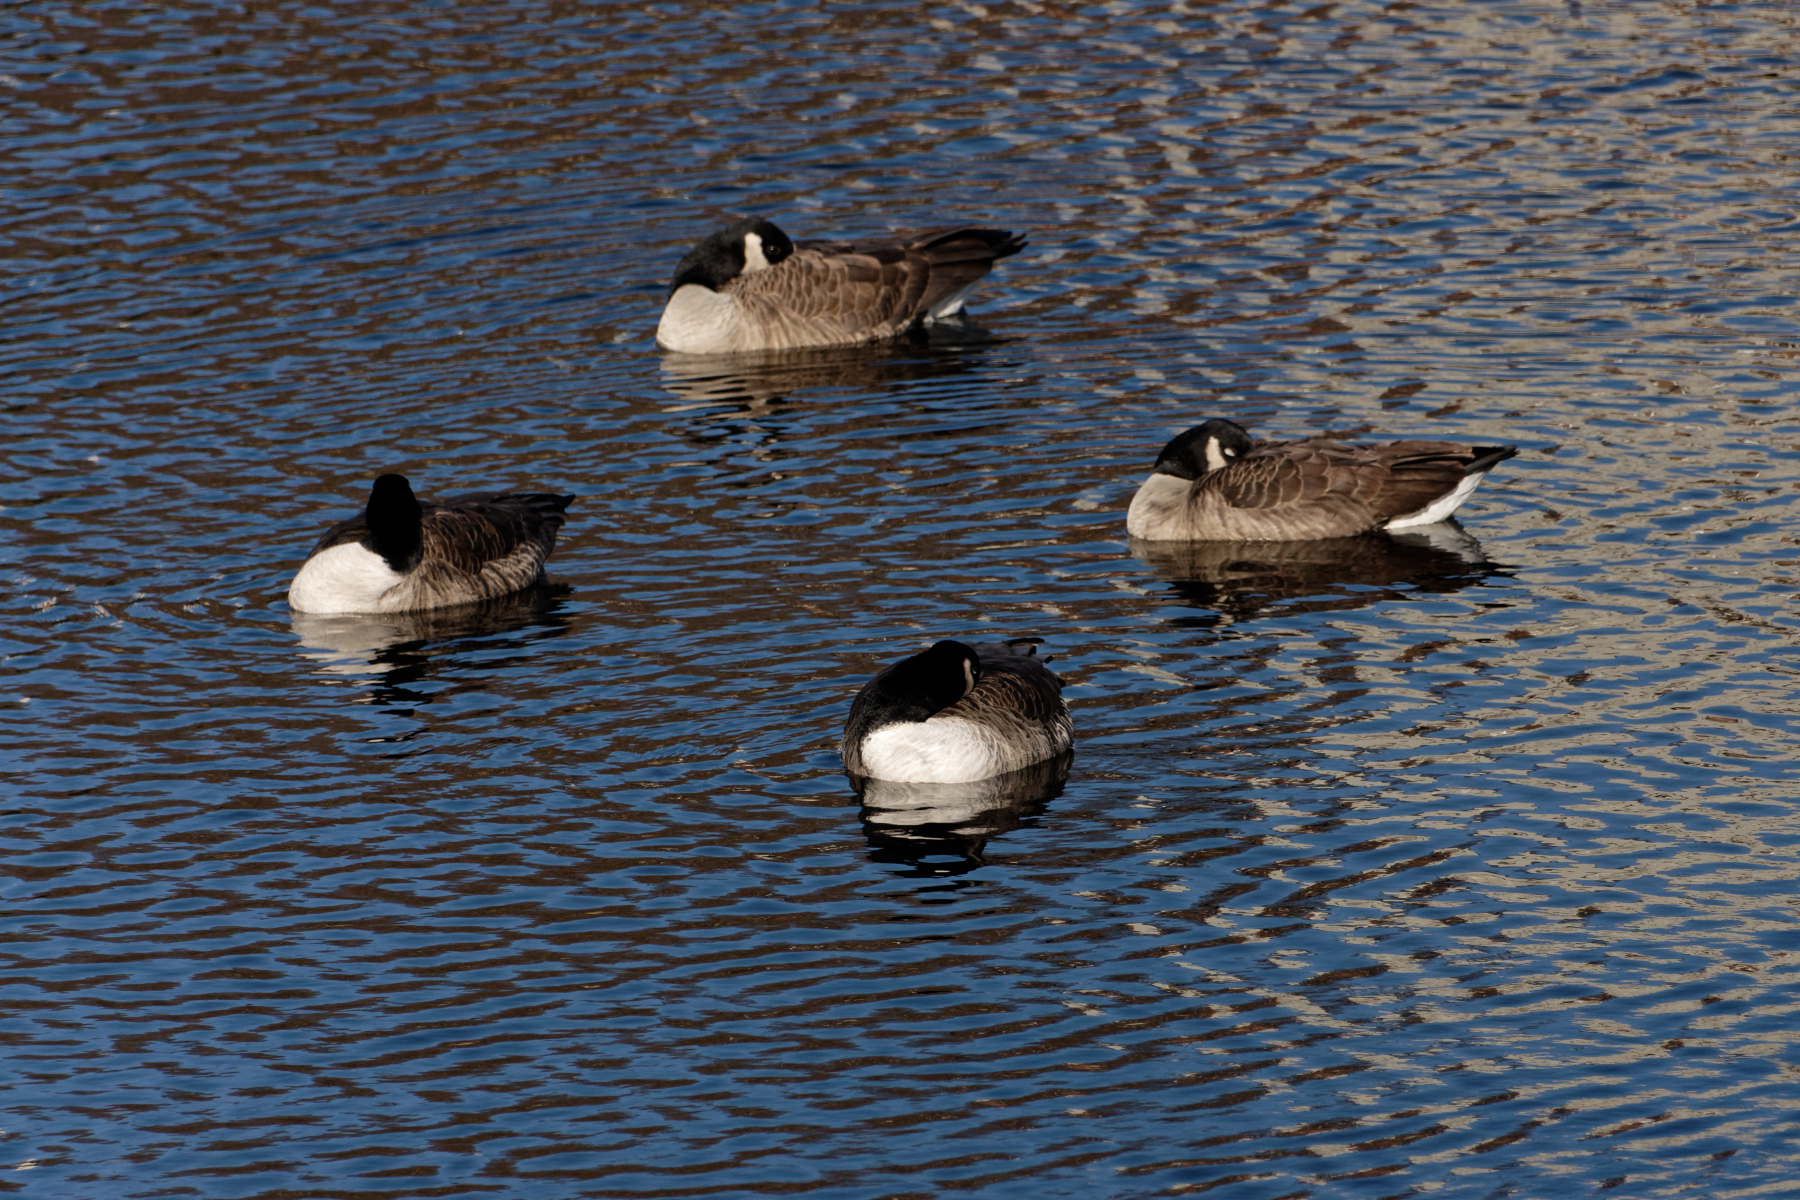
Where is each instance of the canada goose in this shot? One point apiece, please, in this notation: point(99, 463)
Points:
point(398, 555)
point(1213, 483)
point(749, 287)
point(957, 713)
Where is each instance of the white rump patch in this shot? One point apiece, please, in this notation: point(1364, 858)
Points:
point(343, 579)
point(1441, 508)
point(754, 258)
point(950, 305)
point(938, 750)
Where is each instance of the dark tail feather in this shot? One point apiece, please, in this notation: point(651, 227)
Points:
point(545, 501)
point(1023, 647)
point(1487, 456)
point(958, 258)
point(504, 508)
point(967, 243)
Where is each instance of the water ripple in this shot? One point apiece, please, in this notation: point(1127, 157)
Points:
point(1454, 865)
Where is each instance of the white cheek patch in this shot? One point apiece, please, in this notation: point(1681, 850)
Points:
point(754, 258)
point(968, 677)
point(1215, 457)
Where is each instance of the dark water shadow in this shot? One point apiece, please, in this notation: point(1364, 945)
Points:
point(752, 380)
point(907, 823)
point(1241, 580)
point(397, 651)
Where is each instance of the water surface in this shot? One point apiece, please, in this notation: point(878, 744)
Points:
point(1461, 868)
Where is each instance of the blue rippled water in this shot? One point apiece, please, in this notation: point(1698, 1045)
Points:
point(1452, 866)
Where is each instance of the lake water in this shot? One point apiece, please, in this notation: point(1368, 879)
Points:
point(1454, 868)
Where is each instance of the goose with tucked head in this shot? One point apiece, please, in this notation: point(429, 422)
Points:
point(749, 287)
point(399, 555)
point(957, 713)
point(1212, 483)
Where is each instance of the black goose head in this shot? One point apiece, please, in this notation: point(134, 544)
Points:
point(1203, 449)
point(752, 244)
point(928, 682)
point(394, 519)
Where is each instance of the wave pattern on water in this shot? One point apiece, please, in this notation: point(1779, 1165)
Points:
point(1459, 866)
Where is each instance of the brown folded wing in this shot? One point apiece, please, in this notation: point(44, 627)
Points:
point(493, 544)
point(858, 292)
point(1017, 681)
point(1334, 490)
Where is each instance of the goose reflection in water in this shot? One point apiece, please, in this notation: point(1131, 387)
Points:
point(910, 822)
point(397, 650)
point(700, 380)
point(1248, 579)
